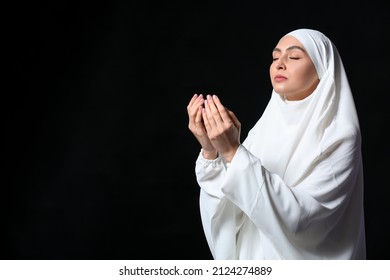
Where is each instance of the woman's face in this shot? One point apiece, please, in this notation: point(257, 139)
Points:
point(292, 72)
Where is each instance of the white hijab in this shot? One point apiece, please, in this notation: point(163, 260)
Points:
point(289, 137)
point(298, 176)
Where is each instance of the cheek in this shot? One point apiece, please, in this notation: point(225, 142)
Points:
point(307, 75)
point(271, 72)
point(313, 77)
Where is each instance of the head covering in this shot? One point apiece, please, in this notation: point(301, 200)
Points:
point(297, 177)
point(291, 137)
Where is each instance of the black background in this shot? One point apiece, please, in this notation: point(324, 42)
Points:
point(99, 161)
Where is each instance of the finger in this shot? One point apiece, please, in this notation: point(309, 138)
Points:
point(194, 104)
point(224, 115)
point(206, 119)
point(233, 117)
point(214, 110)
point(190, 104)
point(198, 117)
point(195, 101)
point(209, 115)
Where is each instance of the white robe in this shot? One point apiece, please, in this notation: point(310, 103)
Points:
point(294, 189)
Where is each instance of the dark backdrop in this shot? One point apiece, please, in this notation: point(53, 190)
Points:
point(99, 162)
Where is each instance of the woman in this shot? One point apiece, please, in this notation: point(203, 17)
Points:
point(294, 188)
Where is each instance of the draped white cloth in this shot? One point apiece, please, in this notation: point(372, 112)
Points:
point(294, 189)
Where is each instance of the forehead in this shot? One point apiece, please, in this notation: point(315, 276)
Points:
point(287, 42)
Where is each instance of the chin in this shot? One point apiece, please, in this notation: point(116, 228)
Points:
point(278, 91)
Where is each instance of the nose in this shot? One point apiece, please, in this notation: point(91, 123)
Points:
point(280, 65)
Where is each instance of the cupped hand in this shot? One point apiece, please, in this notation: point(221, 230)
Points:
point(196, 126)
point(222, 127)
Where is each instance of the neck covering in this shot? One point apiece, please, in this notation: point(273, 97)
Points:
point(290, 137)
point(294, 189)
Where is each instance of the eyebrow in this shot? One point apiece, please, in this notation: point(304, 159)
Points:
point(289, 49)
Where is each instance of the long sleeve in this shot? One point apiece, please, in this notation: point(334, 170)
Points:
point(220, 217)
point(310, 220)
point(250, 213)
point(276, 210)
point(294, 188)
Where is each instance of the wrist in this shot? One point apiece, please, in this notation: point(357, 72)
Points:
point(228, 157)
point(209, 154)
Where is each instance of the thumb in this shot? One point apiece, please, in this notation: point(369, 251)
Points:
point(234, 119)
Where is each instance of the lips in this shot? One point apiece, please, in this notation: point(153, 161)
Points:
point(280, 78)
